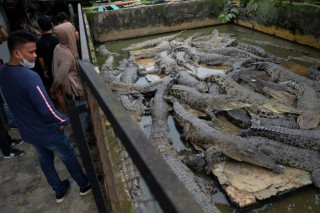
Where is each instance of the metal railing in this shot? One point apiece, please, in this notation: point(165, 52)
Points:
point(171, 194)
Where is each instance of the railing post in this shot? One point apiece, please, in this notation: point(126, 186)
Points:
point(74, 113)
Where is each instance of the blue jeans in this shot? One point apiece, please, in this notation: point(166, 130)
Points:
point(84, 118)
point(65, 151)
point(9, 115)
point(11, 121)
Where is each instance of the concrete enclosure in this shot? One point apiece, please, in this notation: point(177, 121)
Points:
point(295, 22)
point(148, 20)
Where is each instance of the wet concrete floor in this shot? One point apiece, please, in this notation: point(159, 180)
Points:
point(25, 189)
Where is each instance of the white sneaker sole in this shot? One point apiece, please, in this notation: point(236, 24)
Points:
point(60, 200)
point(8, 157)
point(85, 193)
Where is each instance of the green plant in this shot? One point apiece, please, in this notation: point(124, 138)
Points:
point(230, 10)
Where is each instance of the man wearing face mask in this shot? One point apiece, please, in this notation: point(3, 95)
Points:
point(39, 123)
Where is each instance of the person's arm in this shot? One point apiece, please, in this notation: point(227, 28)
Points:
point(43, 104)
point(44, 67)
point(4, 35)
point(60, 72)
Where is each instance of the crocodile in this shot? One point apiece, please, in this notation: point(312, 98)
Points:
point(151, 43)
point(278, 91)
point(124, 88)
point(122, 66)
point(215, 40)
point(300, 158)
point(259, 84)
point(308, 102)
point(188, 80)
point(214, 34)
point(280, 74)
point(268, 43)
point(284, 154)
point(107, 65)
point(314, 72)
point(198, 132)
point(305, 58)
point(245, 121)
point(160, 111)
point(130, 172)
point(130, 75)
point(203, 101)
point(252, 49)
point(159, 138)
point(195, 35)
point(232, 51)
point(209, 59)
point(215, 89)
point(166, 64)
point(103, 50)
point(260, 52)
point(302, 138)
point(181, 60)
point(242, 120)
point(261, 105)
point(152, 52)
point(134, 107)
point(282, 122)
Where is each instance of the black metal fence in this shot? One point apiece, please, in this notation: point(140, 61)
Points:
point(171, 194)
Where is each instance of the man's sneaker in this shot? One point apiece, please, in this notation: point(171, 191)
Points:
point(16, 142)
point(85, 190)
point(13, 126)
point(14, 153)
point(60, 196)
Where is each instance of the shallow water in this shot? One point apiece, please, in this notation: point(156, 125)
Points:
point(304, 200)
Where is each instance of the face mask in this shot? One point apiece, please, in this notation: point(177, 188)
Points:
point(25, 62)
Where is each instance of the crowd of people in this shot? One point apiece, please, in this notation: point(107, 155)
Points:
point(42, 71)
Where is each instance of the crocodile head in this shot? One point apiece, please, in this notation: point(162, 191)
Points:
point(225, 103)
point(308, 120)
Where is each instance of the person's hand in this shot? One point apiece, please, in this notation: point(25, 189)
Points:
point(61, 127)
point(56, 94)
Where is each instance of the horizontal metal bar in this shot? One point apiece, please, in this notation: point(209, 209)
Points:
point(171, 194)
point(85, 53)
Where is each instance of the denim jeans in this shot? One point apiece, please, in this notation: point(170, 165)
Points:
point(11, 121)
point(84, 118)
point(65, 151)
point(9, 115)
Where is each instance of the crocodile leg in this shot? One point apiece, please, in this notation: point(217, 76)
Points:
point(195, 162)
point(212, 157)
point(315, 177)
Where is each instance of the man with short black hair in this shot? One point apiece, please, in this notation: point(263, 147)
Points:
point(45, 47)
point(39, 123)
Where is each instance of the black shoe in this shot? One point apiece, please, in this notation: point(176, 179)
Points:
point(14, 126)
point(60, 196)
point(85, 190)
point(14, 153)
point(16, 142)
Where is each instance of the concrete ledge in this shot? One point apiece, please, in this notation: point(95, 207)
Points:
point(295, 22)
point(155, 19)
